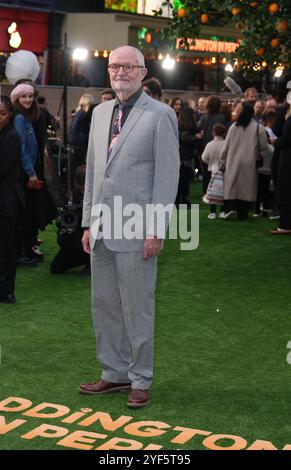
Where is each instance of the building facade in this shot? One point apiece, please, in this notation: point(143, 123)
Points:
point(102, 25)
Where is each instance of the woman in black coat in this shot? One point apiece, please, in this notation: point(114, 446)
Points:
point(11, 200)
point(283, 187)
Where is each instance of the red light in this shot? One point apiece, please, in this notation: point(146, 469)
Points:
point(148, 38)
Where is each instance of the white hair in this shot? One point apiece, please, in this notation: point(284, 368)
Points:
point(139, 54)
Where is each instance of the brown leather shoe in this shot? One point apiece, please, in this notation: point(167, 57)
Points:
point(100, 387)
point(138, 398)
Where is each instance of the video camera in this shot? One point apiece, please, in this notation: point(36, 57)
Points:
point(69, 219)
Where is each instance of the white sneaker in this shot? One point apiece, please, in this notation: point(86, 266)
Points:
point(221, 215)
point(229, 215)
point(212, 216)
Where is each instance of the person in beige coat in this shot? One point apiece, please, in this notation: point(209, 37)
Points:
point(239, 155)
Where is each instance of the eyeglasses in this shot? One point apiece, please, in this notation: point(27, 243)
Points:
point(126, 67)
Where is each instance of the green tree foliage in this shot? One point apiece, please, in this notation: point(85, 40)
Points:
point(264, 27)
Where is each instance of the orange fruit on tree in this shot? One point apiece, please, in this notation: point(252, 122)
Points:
point(253, 4)
point(204, 18)
point(273, 7)
point(235, 11)
point(275, 42)
point(182, 13)
point(282, 26)
point(260, 51)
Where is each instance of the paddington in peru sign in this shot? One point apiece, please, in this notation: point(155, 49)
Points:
point(86, 429)
point(209, 45)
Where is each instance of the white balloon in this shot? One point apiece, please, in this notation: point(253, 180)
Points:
point(22, 65)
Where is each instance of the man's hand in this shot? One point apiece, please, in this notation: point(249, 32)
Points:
point(85, 241)
point(152, 247)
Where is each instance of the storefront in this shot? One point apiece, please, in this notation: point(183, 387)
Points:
point(201, 68)
point(24, 29)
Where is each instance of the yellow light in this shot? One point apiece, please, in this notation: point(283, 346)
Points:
point(279, 71)
point(213, 60)
point(15, 40)
point(105, 53)
point(96, 53)
point(168, 63)
point(12, 28)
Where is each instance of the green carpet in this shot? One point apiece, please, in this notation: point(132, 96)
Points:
point(223, 321)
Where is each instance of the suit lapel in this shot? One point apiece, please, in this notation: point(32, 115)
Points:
point(130, 122)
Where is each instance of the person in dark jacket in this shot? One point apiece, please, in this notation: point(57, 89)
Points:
point(11, 201)
point(188, 138)
point(79, 133)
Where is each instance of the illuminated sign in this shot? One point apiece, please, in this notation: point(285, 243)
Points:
point(143, 7)
point(208, 45)
point(15, 38)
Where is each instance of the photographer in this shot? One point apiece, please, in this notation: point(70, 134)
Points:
point(71, 254)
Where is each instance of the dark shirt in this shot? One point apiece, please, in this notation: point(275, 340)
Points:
point(129, 103)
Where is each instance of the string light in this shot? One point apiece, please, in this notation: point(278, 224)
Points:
point(279, 71)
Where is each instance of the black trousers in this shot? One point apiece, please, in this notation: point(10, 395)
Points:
point(185, 178)
point(241, 207)
point(8, 236)
point(263, 194)
point(30, 229)
point(68, 258)
point(213, 208)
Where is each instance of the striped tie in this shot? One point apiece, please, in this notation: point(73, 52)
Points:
point(116, 128)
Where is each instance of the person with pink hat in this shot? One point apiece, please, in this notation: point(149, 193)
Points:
point(27, 113)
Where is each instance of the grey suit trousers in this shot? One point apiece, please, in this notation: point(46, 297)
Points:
point(123, 309)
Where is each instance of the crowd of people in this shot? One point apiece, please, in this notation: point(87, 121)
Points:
point(247, 139)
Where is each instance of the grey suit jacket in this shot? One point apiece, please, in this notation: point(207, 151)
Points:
point(143, 167)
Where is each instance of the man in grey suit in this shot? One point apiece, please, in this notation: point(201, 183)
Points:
point(133, 157)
